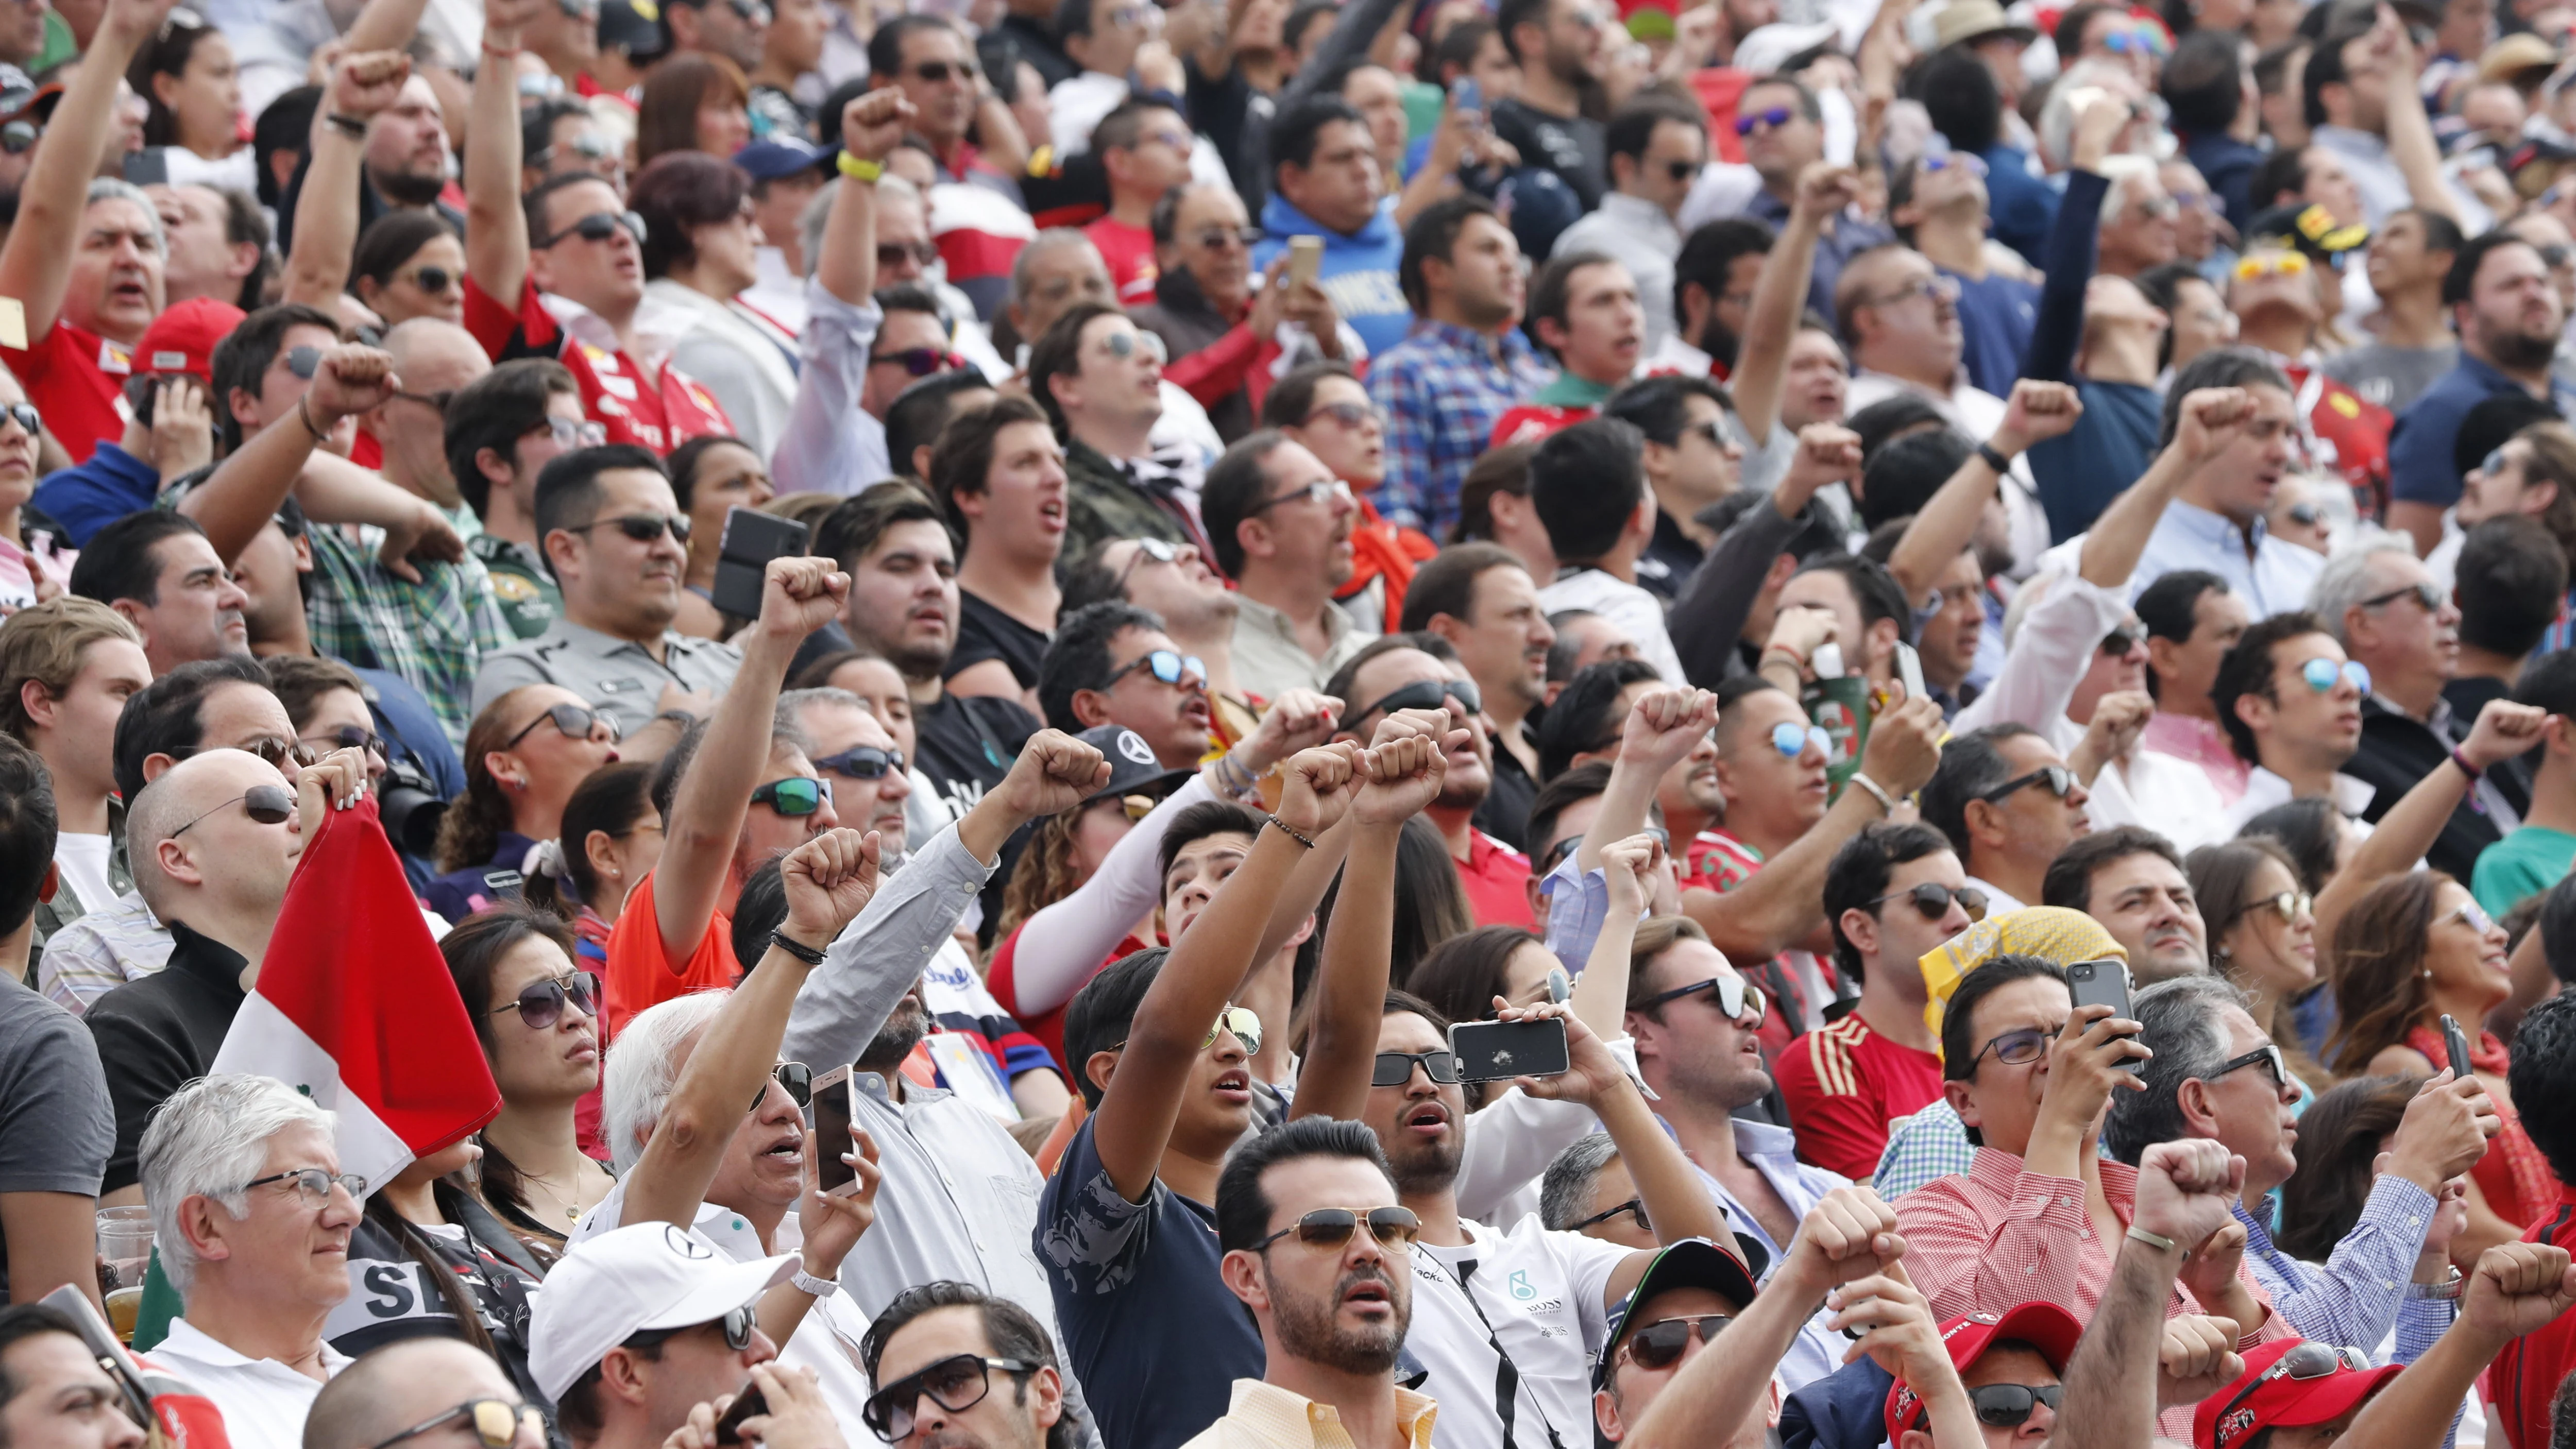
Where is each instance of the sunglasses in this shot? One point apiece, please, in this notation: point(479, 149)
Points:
point(272, 751)
point(2265, 264)
point(1166, 665)
point(956, 1383)
point(569, 433)
point(1933, 900)
point(1146, 548)
point(1736, 997)
point(1681, 170)
point(264, 804)
point(920, 361)
point(2321, 674)
point(2305, 515)
point(2130, 42)
point(1635, 1205)
point(737, 1324)
point(1349, 415)
point(643, 527)
point(2424, 594)
point(435, 401)
point(1330, 491)
point(573, 721)
point(2124, 641)
point(1772, 119)
point(940, 72)
point(1427, 694)
point(20, 137)
point(541, 1003)
point(864, 762)
point(433, 280)
point(2291, 905)
point(797, 1080)
point(895, 254)
point(1394, 1069)
point(1791, 739)
point(2019, 1047)
point(1244, 1022)
point(2309, 1360)
point(1961, 160)
point(794, 796)
point(1124, 345)
point(304, 361)
point(495, 1423)
point(29, 421)
point(1218, 238)
point(314, 1184)
point(599, 226)
point(2059, 780)
point(1659, 1344)
point(349, 737)
point(2269, 1056)
point(2470, 914)
point(2009, 1406)
point(1393, 1227)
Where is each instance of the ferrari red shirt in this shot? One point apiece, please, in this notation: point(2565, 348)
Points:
point(659, 412)
point(77, 380)
point(1844, 1083)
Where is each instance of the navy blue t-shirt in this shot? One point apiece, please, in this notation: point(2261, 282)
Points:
point(2109, 449)
point(1156, 1338)
point(1995, 318)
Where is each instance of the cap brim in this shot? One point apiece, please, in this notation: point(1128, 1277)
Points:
point(2044, 1326)
point(1158, 785)
point(2327, 1399)
point(720, 1291)
point(1690, 1263)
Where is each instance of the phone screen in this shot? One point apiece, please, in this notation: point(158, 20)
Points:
point(2102, 983)
point(832, 1114)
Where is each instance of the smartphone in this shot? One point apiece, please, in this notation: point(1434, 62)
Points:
point(1497, 1051)
point(833, 1109)
point(2103, 983)
point(1909, 669)
point(2458, 1042)
point(751, 540)
point(751, 1403)
point(149, 166)
point(1305, 259)
point(1467, 95)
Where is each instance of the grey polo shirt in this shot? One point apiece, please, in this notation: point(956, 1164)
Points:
point(617, 676)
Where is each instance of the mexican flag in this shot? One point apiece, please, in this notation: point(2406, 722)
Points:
point(355, 1009)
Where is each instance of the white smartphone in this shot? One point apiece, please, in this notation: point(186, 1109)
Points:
point(1909, 669)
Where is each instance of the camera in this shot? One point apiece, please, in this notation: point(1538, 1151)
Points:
point(409, 804)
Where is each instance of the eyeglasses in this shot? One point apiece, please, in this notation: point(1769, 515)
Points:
point(1167, 666)
point(2124, 641)
point(264, 804)
point(2308, 1360)
point(2493, 463)
point(1124, 345)
point(1635, 1205)
point(29, 421)
point(2321, 674)
point(1349, 415)
point(541, 1003)
point(956, 1383)
point(920, 361)
point(862, 762)
point(2009, 1406)
point(2471, 915)
point(794, 796)
point(795, 1079)
point(1961, 160)
point(2018, 1047)
point(573, 721)
point(2269, 1055)
point(737, 1324)
point(599, 226)
point(1218, 238)
point(2265, 264)
point(1791, 739)
point(1328, 492)
point(434, 401)
point(303, 361)
point(271, 750)
point(1933, 900)
point(1426, 694)
point(2059, 780)
point(1736, 997)
point(1394, 1069)
point(643, 527)
point(569, 433)
point(433, 280)
point(314, 1184)
point(349, 737)
point(1770, 120)
point(1659, 1344)
point(1942, 288)
point(895, 254)
point(940, 72)
point(1393, 1227)
point(2424, 594)
point(1146, 548)
point(495, 1423)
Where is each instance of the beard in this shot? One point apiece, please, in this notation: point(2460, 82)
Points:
point(2521, 350)
point(405, 188)
point(1720, 341)
point(1309, 1328)
point(903, 1030)
point(1426, 1169)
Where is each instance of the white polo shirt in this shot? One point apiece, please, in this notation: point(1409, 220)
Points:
point(263, 1401)
point(1538, 1294)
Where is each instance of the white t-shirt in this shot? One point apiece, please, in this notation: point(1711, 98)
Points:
point(82, 859)
point(1541, 1293)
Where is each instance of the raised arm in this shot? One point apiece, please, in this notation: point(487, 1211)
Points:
point(496, 229)
point(799, 596)
point(1661, 730)
point(1780, 297)
point(1709, 617)
point(2503, 730)
point(2059, 329)
point(2418, 156)
point(326, 210)
point(36, 263)
point(2037, 411)
point(1142, 1099)
point(2184, 1189)
point(2211, 419)
point(871, 127)
point(391, 24)
point(238, 499)
point(1629, 868)
point(2518, 1288)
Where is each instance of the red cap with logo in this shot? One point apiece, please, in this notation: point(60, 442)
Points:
point(2293, 1383)
point(183, 338)
point(2044, 1326)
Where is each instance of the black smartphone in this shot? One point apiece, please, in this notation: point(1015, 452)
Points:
point(149, 166)
point(830, 1106)
point(751, 540)
point(2103, 983)
point(1497, 1051)
point(750, 1404)
point(2458, 1043)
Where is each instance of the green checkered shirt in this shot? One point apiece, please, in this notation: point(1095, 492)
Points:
point(433, 633)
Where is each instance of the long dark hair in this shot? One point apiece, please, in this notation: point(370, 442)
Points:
point(389, 241)
point(473, 951)
point(1430, 904)
point(2339, 1139)
point(167, 54)
point(2378, 968)
point(472, 827)
point(1464, 974)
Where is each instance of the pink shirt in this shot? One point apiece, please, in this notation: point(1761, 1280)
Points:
point(2202, 743)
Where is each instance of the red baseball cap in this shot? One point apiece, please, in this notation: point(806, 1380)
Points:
point(2044, 1326)
point(2292, 1383)
point(183, 338)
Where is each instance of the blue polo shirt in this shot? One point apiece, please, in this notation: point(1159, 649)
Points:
point(2021, 205)
point(1995, 318)
point(2420, 467)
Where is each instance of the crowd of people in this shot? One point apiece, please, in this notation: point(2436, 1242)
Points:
point(1366, 724)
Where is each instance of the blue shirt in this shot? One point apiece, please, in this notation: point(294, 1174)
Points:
point(2110, 448)
point(1848, 238)
point(2021, 206)
point(2276, 579)
point(1156, 1339)
point(460, 893)
point(2420, 468)
point(1773, 1151)
point(1995, 318)
point(2227, 164)
point(1358, 272)
point(1442, 389)
point(89, 497)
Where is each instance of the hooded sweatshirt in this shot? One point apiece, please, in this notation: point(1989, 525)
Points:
point(1358, 271)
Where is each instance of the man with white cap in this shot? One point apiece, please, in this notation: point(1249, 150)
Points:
point(648, 1329)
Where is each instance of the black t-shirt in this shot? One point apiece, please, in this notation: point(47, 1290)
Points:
point(985, 632)
point(1505, 813)
point(1236, 119)
point(966, 744)
point(1573, 148)
point(393, 1296)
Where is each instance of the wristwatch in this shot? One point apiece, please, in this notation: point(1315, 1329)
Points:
point(2449, 1287)
point(806, 1283)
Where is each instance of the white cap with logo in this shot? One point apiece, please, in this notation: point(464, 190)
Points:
point(622, 1283)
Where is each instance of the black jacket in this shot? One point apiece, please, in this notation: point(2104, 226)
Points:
point(160, 1033)
point(2396, 753)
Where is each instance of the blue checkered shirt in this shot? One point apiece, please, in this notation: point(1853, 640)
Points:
point(1929, 1145)
point(1442, 389)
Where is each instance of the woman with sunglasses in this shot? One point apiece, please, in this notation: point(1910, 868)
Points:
point(699, 248)
point(524, 754)
point(710, 476)
point(536, 1012)
point(2411, 951)
point(407, 265)
point(192, 94)
point(2262, 937)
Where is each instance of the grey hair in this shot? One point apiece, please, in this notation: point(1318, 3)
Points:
point(2120, 170)
point(643, 1070)
point(2178, 1020)
point(1026, 262)
point(817, 215)
point(1565, 1192)
point(111, 188)
point(793, 703)
point(210, 1139)
point(2345, 581)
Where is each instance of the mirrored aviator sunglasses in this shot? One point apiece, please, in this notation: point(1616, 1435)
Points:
point(1792, 739)
point(1393, 1227)
point(1244, 1022)
point(2321, 674)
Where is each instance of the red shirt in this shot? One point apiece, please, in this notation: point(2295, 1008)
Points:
point(641, 974)
point(1129, 251)
point(660, 414)
point(2349, 435)
point(1844, 1083)
point(77, 380)
point(1047, 1026)
point(1496, 878)
point(2523, 1378)
point(1531, 422)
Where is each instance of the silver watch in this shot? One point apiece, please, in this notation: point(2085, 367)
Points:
point(807, 1283)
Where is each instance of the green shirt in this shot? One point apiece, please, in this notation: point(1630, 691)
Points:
point(2523, 864)
point(528, 597)
point(1570, 391)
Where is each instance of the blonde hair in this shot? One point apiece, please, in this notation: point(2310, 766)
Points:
point(45, 643)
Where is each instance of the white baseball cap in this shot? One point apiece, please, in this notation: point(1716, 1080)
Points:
point(622, 1283)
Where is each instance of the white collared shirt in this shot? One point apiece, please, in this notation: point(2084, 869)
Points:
point(263, 1401)
point(2263, 790)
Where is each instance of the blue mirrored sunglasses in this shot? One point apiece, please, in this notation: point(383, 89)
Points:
point(1791, 739)
point(2321, 674)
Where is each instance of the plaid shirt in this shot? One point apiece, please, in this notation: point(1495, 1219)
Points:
point(107, 947)
point(1929, 1145)
point(433, 633)
point(1442, 388)
point(2363, 1289)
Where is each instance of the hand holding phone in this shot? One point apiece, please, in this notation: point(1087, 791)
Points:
point(2457, 1041)
point(834, 1108)
point(2103, 983)
point(1497, 1051)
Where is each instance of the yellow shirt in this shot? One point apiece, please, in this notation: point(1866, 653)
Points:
point(1264, 1416)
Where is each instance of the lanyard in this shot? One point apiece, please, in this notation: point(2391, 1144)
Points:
point(1507, 1374)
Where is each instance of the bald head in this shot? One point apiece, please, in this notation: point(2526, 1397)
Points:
point(402, 1385)
point(191, 841)
point(435, 356)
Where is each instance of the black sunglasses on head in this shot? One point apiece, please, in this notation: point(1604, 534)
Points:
point(541, 1003)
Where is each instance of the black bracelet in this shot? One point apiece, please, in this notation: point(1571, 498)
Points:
point(2461, 760)
point(810, 955)
point(1994, 460)
point(350, 126)
point(1288, 830)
